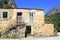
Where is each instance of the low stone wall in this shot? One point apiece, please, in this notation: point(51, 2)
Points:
point(48, 29)
point(43, 30)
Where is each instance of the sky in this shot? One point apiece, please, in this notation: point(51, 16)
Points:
point(40, 4)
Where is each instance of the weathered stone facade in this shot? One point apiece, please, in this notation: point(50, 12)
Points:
point(22, 15)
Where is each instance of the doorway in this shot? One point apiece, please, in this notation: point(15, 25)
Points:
point(19, 17)
point(28, 30)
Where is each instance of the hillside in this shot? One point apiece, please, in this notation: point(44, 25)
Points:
point(55, 19)
point(53, 16)
point(53, 11)
point(7, 4)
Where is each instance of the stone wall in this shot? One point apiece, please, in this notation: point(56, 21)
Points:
point(43, 30)
point(39, 28)
point(48, 29)
point(7, 22)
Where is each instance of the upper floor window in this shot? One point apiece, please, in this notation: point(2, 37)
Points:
point(5, 15)
point(31, 16)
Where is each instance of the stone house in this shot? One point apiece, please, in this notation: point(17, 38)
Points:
point(19, 20)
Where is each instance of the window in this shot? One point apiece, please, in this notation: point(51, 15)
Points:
point(5, 15)
point(31, 16)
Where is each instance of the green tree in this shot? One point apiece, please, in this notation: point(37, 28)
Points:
point(55, 19)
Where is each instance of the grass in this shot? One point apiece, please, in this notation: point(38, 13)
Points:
point(13, 37)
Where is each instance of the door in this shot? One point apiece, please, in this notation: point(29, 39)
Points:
point(19, 17)
point(28, 30)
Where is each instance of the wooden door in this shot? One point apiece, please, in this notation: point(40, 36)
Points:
point(19, 17)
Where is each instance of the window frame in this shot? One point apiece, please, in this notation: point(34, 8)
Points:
point(2, 14)
point(31, 16)
point(5, 14)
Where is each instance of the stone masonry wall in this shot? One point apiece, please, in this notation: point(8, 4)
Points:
point(43, 30)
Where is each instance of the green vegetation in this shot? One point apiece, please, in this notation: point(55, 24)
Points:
point(55, 19)
point(13, 37)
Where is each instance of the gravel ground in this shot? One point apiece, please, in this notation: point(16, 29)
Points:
point(34, 38)
point(44, 38)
